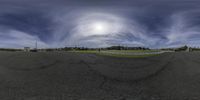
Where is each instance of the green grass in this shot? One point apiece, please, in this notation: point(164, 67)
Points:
point(104, 53)
point(85, 51)
point(129, 51)
point(127, 56)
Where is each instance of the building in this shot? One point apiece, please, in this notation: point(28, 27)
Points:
point(27, 49)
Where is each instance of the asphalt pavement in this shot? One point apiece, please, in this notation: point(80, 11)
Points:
point(76, 76)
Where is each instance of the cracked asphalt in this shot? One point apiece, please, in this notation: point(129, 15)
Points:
point(75, 76)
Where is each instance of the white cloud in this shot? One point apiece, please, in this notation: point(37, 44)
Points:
point(180, 33)
point(115, 28)
point(17, 39)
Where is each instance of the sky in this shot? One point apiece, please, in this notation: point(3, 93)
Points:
point(99, 23)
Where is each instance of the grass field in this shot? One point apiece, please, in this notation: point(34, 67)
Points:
point(130, 51)
point(121, 53)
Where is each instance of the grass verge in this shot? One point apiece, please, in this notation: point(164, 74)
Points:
point(127, 56)
point(117, 55)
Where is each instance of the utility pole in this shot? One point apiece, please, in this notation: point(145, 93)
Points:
point(36, 45)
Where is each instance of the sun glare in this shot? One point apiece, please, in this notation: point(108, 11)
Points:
point(98, 27)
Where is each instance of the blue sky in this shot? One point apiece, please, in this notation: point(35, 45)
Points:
point(99, 23)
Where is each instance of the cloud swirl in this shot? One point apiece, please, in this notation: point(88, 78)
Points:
point(152, 23)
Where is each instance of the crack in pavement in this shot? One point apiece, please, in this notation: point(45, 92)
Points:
point(36, 68)
point(105, 79)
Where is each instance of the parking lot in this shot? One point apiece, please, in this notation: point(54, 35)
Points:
point(76, 76)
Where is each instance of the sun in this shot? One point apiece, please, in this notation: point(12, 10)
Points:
point(99, 27)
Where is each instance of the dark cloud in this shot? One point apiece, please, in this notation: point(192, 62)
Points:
point(31, 23)
point(152, 23)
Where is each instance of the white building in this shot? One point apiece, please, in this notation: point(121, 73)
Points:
point(27, 49)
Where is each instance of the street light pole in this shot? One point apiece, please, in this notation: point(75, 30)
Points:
point(36, 45)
